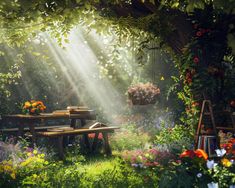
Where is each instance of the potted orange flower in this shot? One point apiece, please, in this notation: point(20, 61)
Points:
point(33, 107)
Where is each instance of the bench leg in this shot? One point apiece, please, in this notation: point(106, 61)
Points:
point(86, 142)
point(94, 143)
point(107, 148)
point(60, 147)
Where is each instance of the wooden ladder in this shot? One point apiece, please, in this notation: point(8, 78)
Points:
point(206, 104)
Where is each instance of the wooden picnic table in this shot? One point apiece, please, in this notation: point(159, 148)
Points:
point(31, 121)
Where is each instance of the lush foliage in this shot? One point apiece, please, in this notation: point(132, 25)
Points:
point(175, 138)
point(129, 138)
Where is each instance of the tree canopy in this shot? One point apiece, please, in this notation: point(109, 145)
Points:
point(169, 20)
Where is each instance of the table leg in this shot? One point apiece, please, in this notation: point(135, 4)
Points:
point(73, 123)
point(71, 139)
point(107, 148)
point(33, 133)
point(20, 132)
point(60, 147)
point(83, 122)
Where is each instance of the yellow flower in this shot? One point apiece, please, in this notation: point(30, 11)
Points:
point(7, 168)
point(226, 162)
point(13, 175)
point(147, 155)
point(35, 152)
point(42, 155)
point(35, 176)
point(46, 163)
point(27, 104)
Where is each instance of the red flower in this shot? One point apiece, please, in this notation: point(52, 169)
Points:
point(199, 33)
point(196, 60)
point(92, 135)
point(188, 153)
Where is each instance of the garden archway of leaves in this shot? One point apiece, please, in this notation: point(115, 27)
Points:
point(191, 31)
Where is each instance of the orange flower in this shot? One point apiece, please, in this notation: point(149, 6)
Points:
point(34, 104)
point(32, 110)
point(40, 102)
point(188, 153)
point(201, 154)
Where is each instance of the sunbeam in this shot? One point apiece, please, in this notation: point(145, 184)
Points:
point(79, 64)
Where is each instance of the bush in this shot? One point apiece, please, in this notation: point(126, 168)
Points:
point(129, 138)
point(175, 139)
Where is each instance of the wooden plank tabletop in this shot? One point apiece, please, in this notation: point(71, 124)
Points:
point(84, 115)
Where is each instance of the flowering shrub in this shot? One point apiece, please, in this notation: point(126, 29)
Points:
point(143, 94)
point(147, 158)
point(7, 170)
point(227, 142)
point(29, 162)
point(199, 170)
point(33, 107)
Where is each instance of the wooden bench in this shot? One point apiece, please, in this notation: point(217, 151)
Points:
point(81, 131)
point(14, 131)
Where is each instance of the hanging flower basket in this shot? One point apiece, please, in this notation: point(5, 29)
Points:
point(143, 94)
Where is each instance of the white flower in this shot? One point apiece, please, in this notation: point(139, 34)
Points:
point(212, 185)
point(210, 164)
point(199, 175)
point(134, 165)
point(220, 152)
